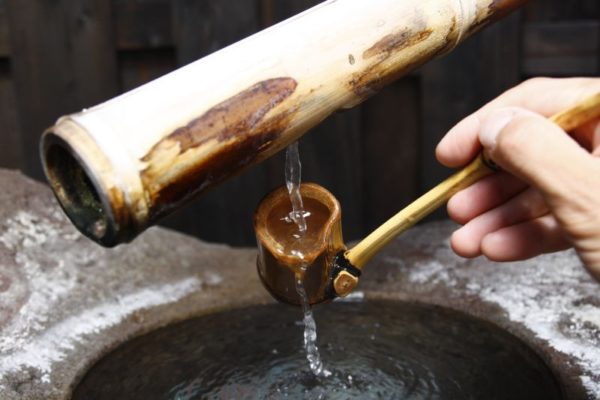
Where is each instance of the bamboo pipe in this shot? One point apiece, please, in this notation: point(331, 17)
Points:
point(118, 167)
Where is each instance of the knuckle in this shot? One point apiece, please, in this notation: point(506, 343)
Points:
point(514, 137)
point(537, 82)
point(531, 85)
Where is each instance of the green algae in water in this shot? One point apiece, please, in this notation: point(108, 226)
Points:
point(374, 350)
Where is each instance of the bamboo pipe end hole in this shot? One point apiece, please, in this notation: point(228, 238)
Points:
point(75, 190)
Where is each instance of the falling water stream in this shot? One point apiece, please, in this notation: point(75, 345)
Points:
point(293, 176)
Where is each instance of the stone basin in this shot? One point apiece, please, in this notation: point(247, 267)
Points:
point(67, 306)
point(371, 349)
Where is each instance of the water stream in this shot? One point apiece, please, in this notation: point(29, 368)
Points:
point(310, 333)
point(293, 177)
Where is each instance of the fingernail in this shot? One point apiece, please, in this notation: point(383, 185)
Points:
point(493, 124)
point(445, 150)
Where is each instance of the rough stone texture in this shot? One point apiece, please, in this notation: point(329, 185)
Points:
point(550, 302)
point(65, 302)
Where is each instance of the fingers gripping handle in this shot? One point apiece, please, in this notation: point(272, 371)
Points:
point(480, 167)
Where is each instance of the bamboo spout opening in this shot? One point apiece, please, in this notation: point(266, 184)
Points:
point(76, 190)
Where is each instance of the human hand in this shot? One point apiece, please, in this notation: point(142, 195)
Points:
point(547, 198)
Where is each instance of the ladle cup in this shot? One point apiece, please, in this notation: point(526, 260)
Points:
point(320, 257)
point(283, 259)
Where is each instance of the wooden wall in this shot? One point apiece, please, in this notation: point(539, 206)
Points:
point(59, 56)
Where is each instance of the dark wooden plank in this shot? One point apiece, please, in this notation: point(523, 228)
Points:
point(63, 60)
point(390, 126)
point(91, 51)
point(561, 48)
point(4, 38)
point(10, 144)
point(138, 24)
point(142, 24)
point(498, 58)
point(449, 91)
point(275, 11)
point(459, 83)
point(141, 66)
point(266, 13)
point(561, 10)
point(202, 27)
point(225, 213)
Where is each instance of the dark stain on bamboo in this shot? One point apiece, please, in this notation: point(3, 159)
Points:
point(239, 121)
point(396, 42)
point(379, 73)
point(234, 116)
point(496, 10)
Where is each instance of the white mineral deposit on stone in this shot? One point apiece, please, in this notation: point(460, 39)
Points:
point(26, 234)
point(53, 345)
point(520, 301)
point(213, 279)
point(27, 229)
point(43, 332)
point(530, 292)
point(433, 273)
point(355, 296)
point(472, 287)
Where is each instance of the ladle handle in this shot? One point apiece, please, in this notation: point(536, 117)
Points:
point(360, 254)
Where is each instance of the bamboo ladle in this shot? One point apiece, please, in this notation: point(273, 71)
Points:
point(328, 269)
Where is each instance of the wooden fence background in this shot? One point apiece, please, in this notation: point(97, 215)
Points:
point(59, 56)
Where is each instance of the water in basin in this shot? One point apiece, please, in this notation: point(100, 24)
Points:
point(374, 349)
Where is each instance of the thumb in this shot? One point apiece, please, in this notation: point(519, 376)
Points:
point(535, 150)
